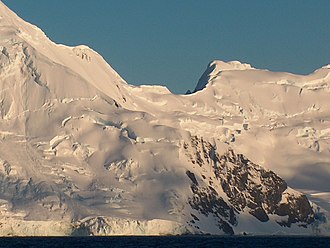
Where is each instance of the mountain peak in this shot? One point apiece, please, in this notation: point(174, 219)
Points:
point(20, 39)
point(6, 16)
point(3, 8)
point(12, 25)
point(217, 66)
point(235, 65)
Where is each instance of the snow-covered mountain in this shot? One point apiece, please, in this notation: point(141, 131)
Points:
point(82, 152)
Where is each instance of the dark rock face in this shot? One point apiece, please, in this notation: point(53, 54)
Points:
point(192, 177)
point(207, 202)
point(246, 183)
point(298, 209)
point(260, 214)
point(248, 187)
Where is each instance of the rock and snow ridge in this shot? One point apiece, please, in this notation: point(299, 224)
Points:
point(87, 153)
point(215, 68)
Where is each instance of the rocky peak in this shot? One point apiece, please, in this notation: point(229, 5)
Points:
point(216, 67)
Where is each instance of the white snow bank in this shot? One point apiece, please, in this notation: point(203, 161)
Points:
point(16, 227)
point(105, 226)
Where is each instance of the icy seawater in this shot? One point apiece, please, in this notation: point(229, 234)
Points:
point(170, 241)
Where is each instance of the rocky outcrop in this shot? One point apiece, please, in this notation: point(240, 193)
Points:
point(264, 193)
point(248, 187)
point(208, 202)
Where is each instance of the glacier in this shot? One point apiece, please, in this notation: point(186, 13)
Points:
point(82, 152)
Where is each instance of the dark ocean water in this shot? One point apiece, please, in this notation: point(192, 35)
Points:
point(185, 241)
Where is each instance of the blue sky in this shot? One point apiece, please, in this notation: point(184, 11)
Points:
point(170, 42)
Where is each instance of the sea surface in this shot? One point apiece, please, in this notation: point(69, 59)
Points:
point(170, 241)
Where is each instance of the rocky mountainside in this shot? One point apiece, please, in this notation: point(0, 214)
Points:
point(86, 153)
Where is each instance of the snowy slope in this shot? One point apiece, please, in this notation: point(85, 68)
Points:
point(84, 151)
point(286, 117)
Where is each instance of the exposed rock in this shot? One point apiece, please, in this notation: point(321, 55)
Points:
point(247, 186)
point(207, 202)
